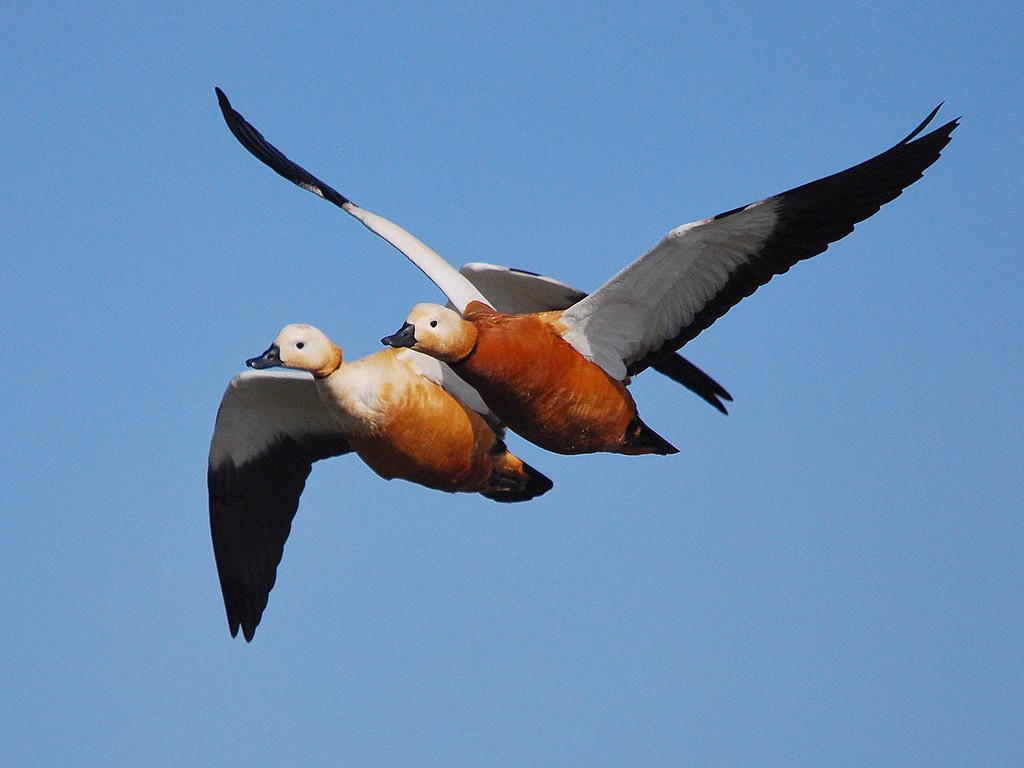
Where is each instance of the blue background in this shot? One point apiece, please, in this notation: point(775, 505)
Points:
point(831, 575)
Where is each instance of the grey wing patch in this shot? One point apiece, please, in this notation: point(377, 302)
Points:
point(518, 292)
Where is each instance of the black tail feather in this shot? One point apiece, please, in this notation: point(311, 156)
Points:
point(642, 439)
point(536, 485)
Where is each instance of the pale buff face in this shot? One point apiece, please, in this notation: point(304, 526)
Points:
point(441, 332)
point(301, 348)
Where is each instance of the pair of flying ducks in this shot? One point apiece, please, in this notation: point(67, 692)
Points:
point(513, 349)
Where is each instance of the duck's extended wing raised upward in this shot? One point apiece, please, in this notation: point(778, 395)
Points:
point(700, 270)
point(455, 286)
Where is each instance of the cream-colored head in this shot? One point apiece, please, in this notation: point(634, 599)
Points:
point(302, 348)
point(436, 331)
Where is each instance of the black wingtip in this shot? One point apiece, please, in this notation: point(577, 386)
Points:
point(225, 106)
point(247, 632)
point(950, 125)
point(238, 621)
point(719, 405)
point(272, 157)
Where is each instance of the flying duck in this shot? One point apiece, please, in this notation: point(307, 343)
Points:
point(557, 378)
point(404, 414)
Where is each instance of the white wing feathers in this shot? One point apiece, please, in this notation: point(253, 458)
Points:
point(446, 277)
point(260, 408)
point(654, 297)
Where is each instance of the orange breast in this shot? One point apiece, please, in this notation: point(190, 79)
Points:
point(425, 436)
point(544, 389)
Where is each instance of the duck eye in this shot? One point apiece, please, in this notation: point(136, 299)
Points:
point(433, 323)
point(300, 345)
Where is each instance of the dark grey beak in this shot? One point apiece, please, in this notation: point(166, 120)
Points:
point(269, 359)
point(406, 337)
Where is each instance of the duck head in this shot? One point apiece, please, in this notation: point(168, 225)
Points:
point(436, 331)
point(301, 348)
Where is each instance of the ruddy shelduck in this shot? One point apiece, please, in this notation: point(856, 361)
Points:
point(557, 378)
point(404, 414)
point(541, 374)
point(508, 290)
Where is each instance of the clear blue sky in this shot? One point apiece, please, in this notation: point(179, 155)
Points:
point(831, 575)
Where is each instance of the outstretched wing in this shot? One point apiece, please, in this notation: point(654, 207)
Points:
point(271, 427)
point(700, 270)
point(514, 291)
point(456, 287)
